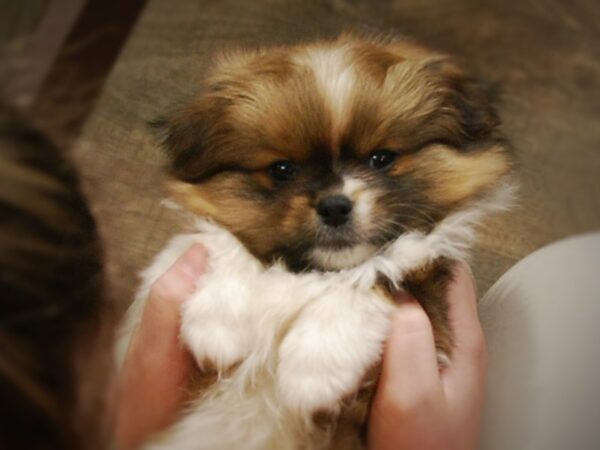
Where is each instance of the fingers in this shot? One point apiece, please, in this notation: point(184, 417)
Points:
point(469, 357)
point(157, 366)
point(410, 372)
point(409, 391)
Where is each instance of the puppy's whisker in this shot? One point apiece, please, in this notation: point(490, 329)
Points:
point(418, 211)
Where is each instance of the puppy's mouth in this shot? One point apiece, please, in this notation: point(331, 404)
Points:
point(338, 257)
point(336, 243)
point(338, 238)
point(340, 248)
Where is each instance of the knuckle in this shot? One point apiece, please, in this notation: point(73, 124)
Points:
point(413, 320)
point(393, 404)
point(168, 287)
point(161, 288)
point(403, 403)
point(477, 347)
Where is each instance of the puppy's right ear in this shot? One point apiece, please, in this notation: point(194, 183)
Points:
point(188, 134)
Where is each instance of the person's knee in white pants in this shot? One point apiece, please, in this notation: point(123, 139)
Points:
point(542, 323)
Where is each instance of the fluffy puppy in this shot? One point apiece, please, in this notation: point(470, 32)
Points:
point(326, 175)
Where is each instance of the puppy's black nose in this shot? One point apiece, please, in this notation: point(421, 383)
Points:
point(334, 210)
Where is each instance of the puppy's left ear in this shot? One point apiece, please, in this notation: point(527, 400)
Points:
point(187, 135)
point(472, 98)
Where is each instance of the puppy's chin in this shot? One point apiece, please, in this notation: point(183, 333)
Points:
point(341, 258)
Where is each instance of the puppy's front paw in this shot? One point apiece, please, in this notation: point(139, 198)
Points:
point(216, 328)
point(329, 349)
point(311, 378)
point(214, 345)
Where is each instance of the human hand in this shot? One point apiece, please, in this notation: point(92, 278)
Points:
point(157, 366)
point(417, 406)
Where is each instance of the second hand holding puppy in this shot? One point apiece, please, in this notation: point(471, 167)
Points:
point(417, 405)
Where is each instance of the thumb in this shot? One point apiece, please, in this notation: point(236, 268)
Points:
point(157, 366)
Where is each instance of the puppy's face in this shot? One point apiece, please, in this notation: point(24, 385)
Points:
point(319, 155)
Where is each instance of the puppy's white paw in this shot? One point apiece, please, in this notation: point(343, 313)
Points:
point(309, 379)
point(216, 327)
point(214, 345)
point(329, 349)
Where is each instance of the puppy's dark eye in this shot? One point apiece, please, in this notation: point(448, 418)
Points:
point(382, 159)
point(282, 170)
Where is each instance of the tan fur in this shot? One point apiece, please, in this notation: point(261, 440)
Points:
point(451, 177)
point(299, 210)
point(454, 178)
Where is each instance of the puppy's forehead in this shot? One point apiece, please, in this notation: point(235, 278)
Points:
point(274, 105)
point(311, 99)
point(335, 79)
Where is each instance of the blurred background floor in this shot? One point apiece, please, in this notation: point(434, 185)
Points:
point(544, 53)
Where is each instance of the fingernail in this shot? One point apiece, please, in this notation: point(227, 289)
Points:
point(193, 262)
point(462, 267)
point(469, 271)
point(463, 272)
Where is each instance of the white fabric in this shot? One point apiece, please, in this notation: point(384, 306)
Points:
point(541, 320)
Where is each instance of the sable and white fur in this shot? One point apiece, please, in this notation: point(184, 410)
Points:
point(286, 345)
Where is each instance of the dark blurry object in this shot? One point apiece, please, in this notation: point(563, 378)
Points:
point(51, 305)
point(61, 56)
point(32, 34)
